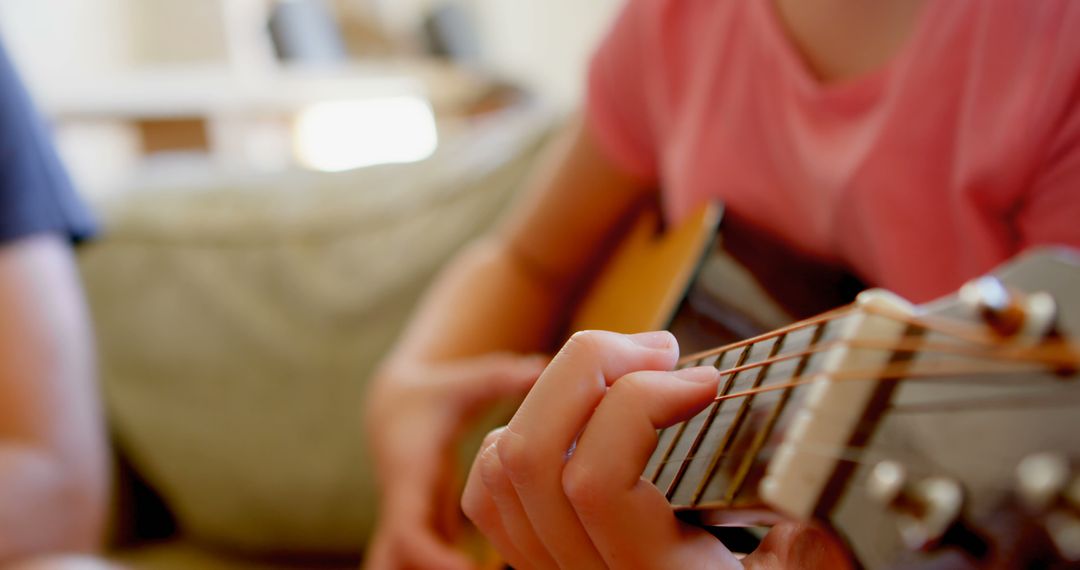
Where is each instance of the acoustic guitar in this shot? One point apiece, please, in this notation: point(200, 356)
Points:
point(945, 435)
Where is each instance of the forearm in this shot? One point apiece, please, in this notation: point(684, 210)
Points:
point(53, 450)
point(485, 300)
point(507, 293)
point(512, 289)
point(43, 508)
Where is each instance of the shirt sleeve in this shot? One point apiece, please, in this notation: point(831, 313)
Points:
point(618, 113)
point(36, 195)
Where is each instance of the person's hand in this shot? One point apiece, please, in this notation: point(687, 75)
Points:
point(561, 486)
point(415, 415)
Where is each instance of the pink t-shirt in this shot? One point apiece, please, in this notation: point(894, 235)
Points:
point(959, 153)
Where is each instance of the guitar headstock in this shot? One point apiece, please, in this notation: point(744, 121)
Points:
point(951, 429)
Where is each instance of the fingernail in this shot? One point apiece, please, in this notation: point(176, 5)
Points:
point(654, 339)
point(698, 374)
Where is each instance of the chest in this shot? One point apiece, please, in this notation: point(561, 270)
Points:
point(838, 40)
point(826, 166)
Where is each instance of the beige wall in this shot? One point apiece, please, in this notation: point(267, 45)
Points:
point(543, 44)
point(54, 41)
point(178, 31)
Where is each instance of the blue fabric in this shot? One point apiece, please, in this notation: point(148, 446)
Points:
point(36, 195)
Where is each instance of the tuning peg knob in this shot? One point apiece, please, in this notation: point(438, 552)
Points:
point(925, 510)
point(1049, 486)
point(1010, 313)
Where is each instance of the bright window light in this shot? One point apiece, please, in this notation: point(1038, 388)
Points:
point(340, 135)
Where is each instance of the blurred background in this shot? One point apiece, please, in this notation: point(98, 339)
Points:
point(140, 88)
point(277, 181)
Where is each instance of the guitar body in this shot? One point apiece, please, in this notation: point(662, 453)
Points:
point(648, 275)
point(820, 421)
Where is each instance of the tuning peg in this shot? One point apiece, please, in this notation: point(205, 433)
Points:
point(1049, 486)
point(1010, 313)
point(925, 510)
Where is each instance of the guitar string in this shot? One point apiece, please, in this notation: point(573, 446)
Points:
point(980, 333)
point(895, 371)
point(993, 347)
point(826, 317)
point(915, 465)
point(847, 453)
point(903, 369)
point(1059, 353)
point(1062, 396)
point(1055, 352)
point(1008, 402)
point(1058, 349)
point(1059, 398)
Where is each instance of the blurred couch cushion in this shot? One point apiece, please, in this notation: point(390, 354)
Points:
point(238, 325)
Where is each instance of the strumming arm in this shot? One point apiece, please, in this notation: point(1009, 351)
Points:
point(510, 289)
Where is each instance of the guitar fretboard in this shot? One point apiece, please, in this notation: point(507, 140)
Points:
point(716, 458)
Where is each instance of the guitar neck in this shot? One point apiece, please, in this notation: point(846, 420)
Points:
point(711, 460)
point(717, 459)
point(902, 428)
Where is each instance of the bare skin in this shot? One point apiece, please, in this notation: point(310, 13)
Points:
point(53, 455)
point(561, 486)
point(508, 293)
point(502, 296)
point(841, 40)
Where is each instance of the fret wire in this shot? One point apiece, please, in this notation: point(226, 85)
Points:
point(766, 430)
point(894, 372)
point(682, 426)
point(1061, 397)
point(667, 453)
point(713, 409)
point(850, 452)
point(678, 434)
point(1062, 354)
point(662, 460)
point(975, 334)
point(868, 422)
point(825, 317)
point(736, 423)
